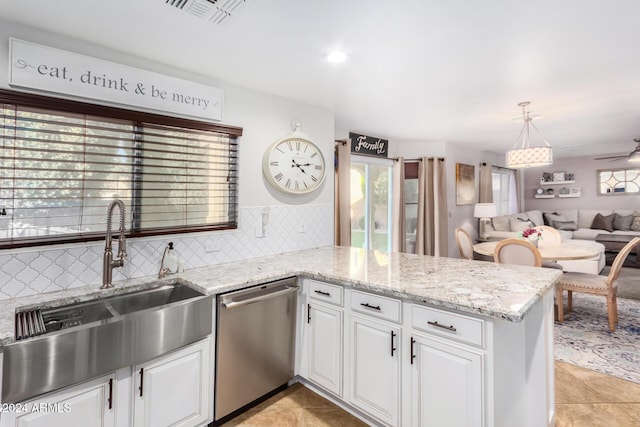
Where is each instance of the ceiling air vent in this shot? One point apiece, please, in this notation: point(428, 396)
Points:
point(216, 11)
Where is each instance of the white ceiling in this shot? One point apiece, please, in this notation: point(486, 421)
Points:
point(426, 70)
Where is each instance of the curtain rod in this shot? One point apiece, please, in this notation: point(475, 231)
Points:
point(499, 167)
point(420, 159)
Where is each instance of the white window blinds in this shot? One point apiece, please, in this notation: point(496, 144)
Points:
point(59, 170)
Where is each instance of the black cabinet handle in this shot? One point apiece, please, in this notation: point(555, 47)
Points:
point(141, 380)
point(110, 400)
point(367, 305)
point(393, 335)
point(413, 356)
point(308, 313)
point(438, 325)
point(326, 294)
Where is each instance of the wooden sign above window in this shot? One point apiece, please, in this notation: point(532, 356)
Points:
point(46, 69)
point(368, 145)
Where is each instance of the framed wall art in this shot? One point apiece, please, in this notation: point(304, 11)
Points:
point(465, 184)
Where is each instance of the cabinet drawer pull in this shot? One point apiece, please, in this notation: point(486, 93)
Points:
point(308, 313)
point(141, 380)
point(373, 307)
point(393, 335)
point(326, 294)
point(438, 325)
point(413, 356)
point(110, 393)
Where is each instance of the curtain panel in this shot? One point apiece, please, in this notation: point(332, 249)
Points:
point(342, 202)
point(398, 232)
point(485, 183)
point(432, 226)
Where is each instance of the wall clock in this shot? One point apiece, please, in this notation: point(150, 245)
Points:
point(294, 164)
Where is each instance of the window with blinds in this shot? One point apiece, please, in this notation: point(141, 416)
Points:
point(61, 166)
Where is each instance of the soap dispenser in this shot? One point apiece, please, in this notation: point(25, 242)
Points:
point(170, 262)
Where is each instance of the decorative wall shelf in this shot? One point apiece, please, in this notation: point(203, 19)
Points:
point(551, 196)
point(557, 182)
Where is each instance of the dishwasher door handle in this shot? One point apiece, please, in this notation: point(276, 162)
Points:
point(235, 304)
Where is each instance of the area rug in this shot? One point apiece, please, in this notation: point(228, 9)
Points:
point(584, 339)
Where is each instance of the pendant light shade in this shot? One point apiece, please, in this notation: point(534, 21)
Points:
point(523, 155)
point(530, 157)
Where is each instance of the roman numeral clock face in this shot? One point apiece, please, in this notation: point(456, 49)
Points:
point(294, 165)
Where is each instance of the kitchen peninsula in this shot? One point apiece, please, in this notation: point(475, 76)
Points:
point(503, 317)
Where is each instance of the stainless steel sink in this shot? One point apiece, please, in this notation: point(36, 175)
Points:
point(66, 345)
point(143, 300)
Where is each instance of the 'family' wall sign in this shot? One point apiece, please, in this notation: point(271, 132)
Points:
point(368, 145)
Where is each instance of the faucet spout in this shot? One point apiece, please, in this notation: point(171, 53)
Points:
point(108, 262)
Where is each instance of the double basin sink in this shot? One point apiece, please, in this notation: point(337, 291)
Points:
point(62, 346)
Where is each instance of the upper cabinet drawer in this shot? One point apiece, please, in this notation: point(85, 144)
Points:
point(325, 292)
point(376, 305)
point(450, 325)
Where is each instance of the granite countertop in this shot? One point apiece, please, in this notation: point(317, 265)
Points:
point(477, 287)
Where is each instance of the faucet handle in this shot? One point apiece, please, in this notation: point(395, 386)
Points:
point(122, 247)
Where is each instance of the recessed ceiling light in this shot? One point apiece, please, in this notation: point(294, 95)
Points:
point(337, 56)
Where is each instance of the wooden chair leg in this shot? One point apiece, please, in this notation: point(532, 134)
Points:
point(611, 311)
point(559, 304)
point(569, 301)
point(615, 307)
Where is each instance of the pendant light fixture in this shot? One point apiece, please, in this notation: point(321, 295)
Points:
point(523, 155)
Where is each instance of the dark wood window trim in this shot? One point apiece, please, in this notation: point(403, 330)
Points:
point(69, 106)
point(77, 107)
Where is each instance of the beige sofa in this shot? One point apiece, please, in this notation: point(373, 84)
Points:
point(573, 224)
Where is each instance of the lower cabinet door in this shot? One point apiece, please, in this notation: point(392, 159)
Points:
point(446, 385)
point(87, 404)
point(374, 368)
point(325, 347)
point(174, 389)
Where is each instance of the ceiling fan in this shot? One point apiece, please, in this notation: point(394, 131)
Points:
point(633, 156)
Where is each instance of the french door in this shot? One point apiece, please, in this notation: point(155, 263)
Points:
point(370, 182)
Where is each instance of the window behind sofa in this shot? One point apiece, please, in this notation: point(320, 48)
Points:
point(63, 162)
point(504, 190)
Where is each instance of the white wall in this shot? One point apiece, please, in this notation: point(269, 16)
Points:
point(264, 118)
point(462, 216)
point(584, 171)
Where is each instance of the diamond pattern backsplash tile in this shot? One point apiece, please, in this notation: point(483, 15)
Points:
point(286, 228)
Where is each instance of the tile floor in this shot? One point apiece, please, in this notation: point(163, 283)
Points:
point(584, 398)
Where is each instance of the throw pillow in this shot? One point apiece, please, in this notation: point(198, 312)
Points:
point(622, 222)
point(635, 224)
point(518, 224)
point(565, 225)
point(526, 218)
point(500, 223)
point(603, 222)
point(550, 217)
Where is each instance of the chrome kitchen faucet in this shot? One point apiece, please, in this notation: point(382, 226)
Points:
point(108, 262)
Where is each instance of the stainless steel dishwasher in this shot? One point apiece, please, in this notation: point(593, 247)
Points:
point(255, 343)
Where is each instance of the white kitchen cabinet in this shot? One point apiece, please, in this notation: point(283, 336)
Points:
point(452, 368)
point(86, 404)
point(174, 389)
point(324, 346)
point(446, 387)
point(374, 367)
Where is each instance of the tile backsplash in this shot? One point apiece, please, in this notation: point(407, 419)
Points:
point(261, 231)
